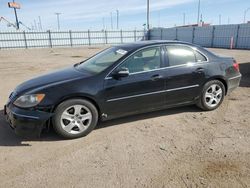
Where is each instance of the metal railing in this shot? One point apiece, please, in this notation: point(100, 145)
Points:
point(51, 39)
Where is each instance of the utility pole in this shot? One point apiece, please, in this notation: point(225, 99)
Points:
point(111, 20)
point(184, 18)
point(245, 14)
point(103, 23)
point(58, 20)
point(147, 14)
point(117, 19)
point(35, 25)
point(220, 19)
point(159, 18)
point(199, 9)
point(32, 27)
point(17, 22)
point(40, 22)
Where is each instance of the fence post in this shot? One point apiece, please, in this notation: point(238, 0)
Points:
point(193, 35)
point(121, 37)
point(135, 35)
point(161, 34)
point(237, 36)
point(176, 33)
point(70, 38)
point(89, 37)
point(103, 36)
point(25, 40)
point(106, 37)
point(50, 41)
point(212, 40)
point(148, 33)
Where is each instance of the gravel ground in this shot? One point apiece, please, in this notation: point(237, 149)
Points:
point(180, 147)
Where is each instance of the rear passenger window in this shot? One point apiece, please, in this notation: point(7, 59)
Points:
point(200, 57)
point(179, 55)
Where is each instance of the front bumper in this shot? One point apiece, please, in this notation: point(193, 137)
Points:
point(27, 123)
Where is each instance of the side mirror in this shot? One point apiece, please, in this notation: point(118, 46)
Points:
point(121, 73)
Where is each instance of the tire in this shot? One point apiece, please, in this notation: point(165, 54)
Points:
point(75, 118)
point(210, 99)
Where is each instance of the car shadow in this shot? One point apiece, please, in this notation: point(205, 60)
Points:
point(245, 71)
point(148, 115)
point(9, 138)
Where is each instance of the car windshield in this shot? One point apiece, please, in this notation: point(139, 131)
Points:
point(102, 60)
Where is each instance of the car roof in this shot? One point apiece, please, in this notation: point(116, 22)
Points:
point(141, 44)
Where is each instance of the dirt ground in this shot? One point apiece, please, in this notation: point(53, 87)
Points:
point(180, 147)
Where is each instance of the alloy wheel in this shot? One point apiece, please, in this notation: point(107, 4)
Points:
point(76, 119)
point(213, 95)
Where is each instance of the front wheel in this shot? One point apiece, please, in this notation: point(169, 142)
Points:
point(212, 95)
point(75, 118)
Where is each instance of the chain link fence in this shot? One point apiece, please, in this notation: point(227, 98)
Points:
point(51, 39)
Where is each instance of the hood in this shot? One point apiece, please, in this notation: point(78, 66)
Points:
point(62, 75)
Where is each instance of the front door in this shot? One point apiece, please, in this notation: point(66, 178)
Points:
point(142, 89)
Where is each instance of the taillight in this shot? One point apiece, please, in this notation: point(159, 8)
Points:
point(236, 66)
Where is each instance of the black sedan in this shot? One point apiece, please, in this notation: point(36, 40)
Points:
point(119, 81)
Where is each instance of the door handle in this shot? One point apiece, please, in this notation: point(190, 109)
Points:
point(156, 77)
point(199, 70)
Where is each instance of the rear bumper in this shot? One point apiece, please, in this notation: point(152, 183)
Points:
point(26, 123)
point(233, 83)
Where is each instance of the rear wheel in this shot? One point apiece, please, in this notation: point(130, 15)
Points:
point(212, 95)
point(75, 118)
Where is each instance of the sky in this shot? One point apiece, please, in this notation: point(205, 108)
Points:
point(96, 14)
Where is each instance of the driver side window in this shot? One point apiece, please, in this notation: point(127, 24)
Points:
point(144, 60)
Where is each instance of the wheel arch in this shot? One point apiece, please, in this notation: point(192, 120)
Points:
point(220, 78)
point(78, 96)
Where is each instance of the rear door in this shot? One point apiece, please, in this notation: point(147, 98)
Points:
point(142, 89)
point(186, 73)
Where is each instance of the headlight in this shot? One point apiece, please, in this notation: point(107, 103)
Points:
point(27, 101)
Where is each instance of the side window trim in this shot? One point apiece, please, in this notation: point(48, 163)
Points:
point(197, 51)
point(164, 59)
point(166, 56)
